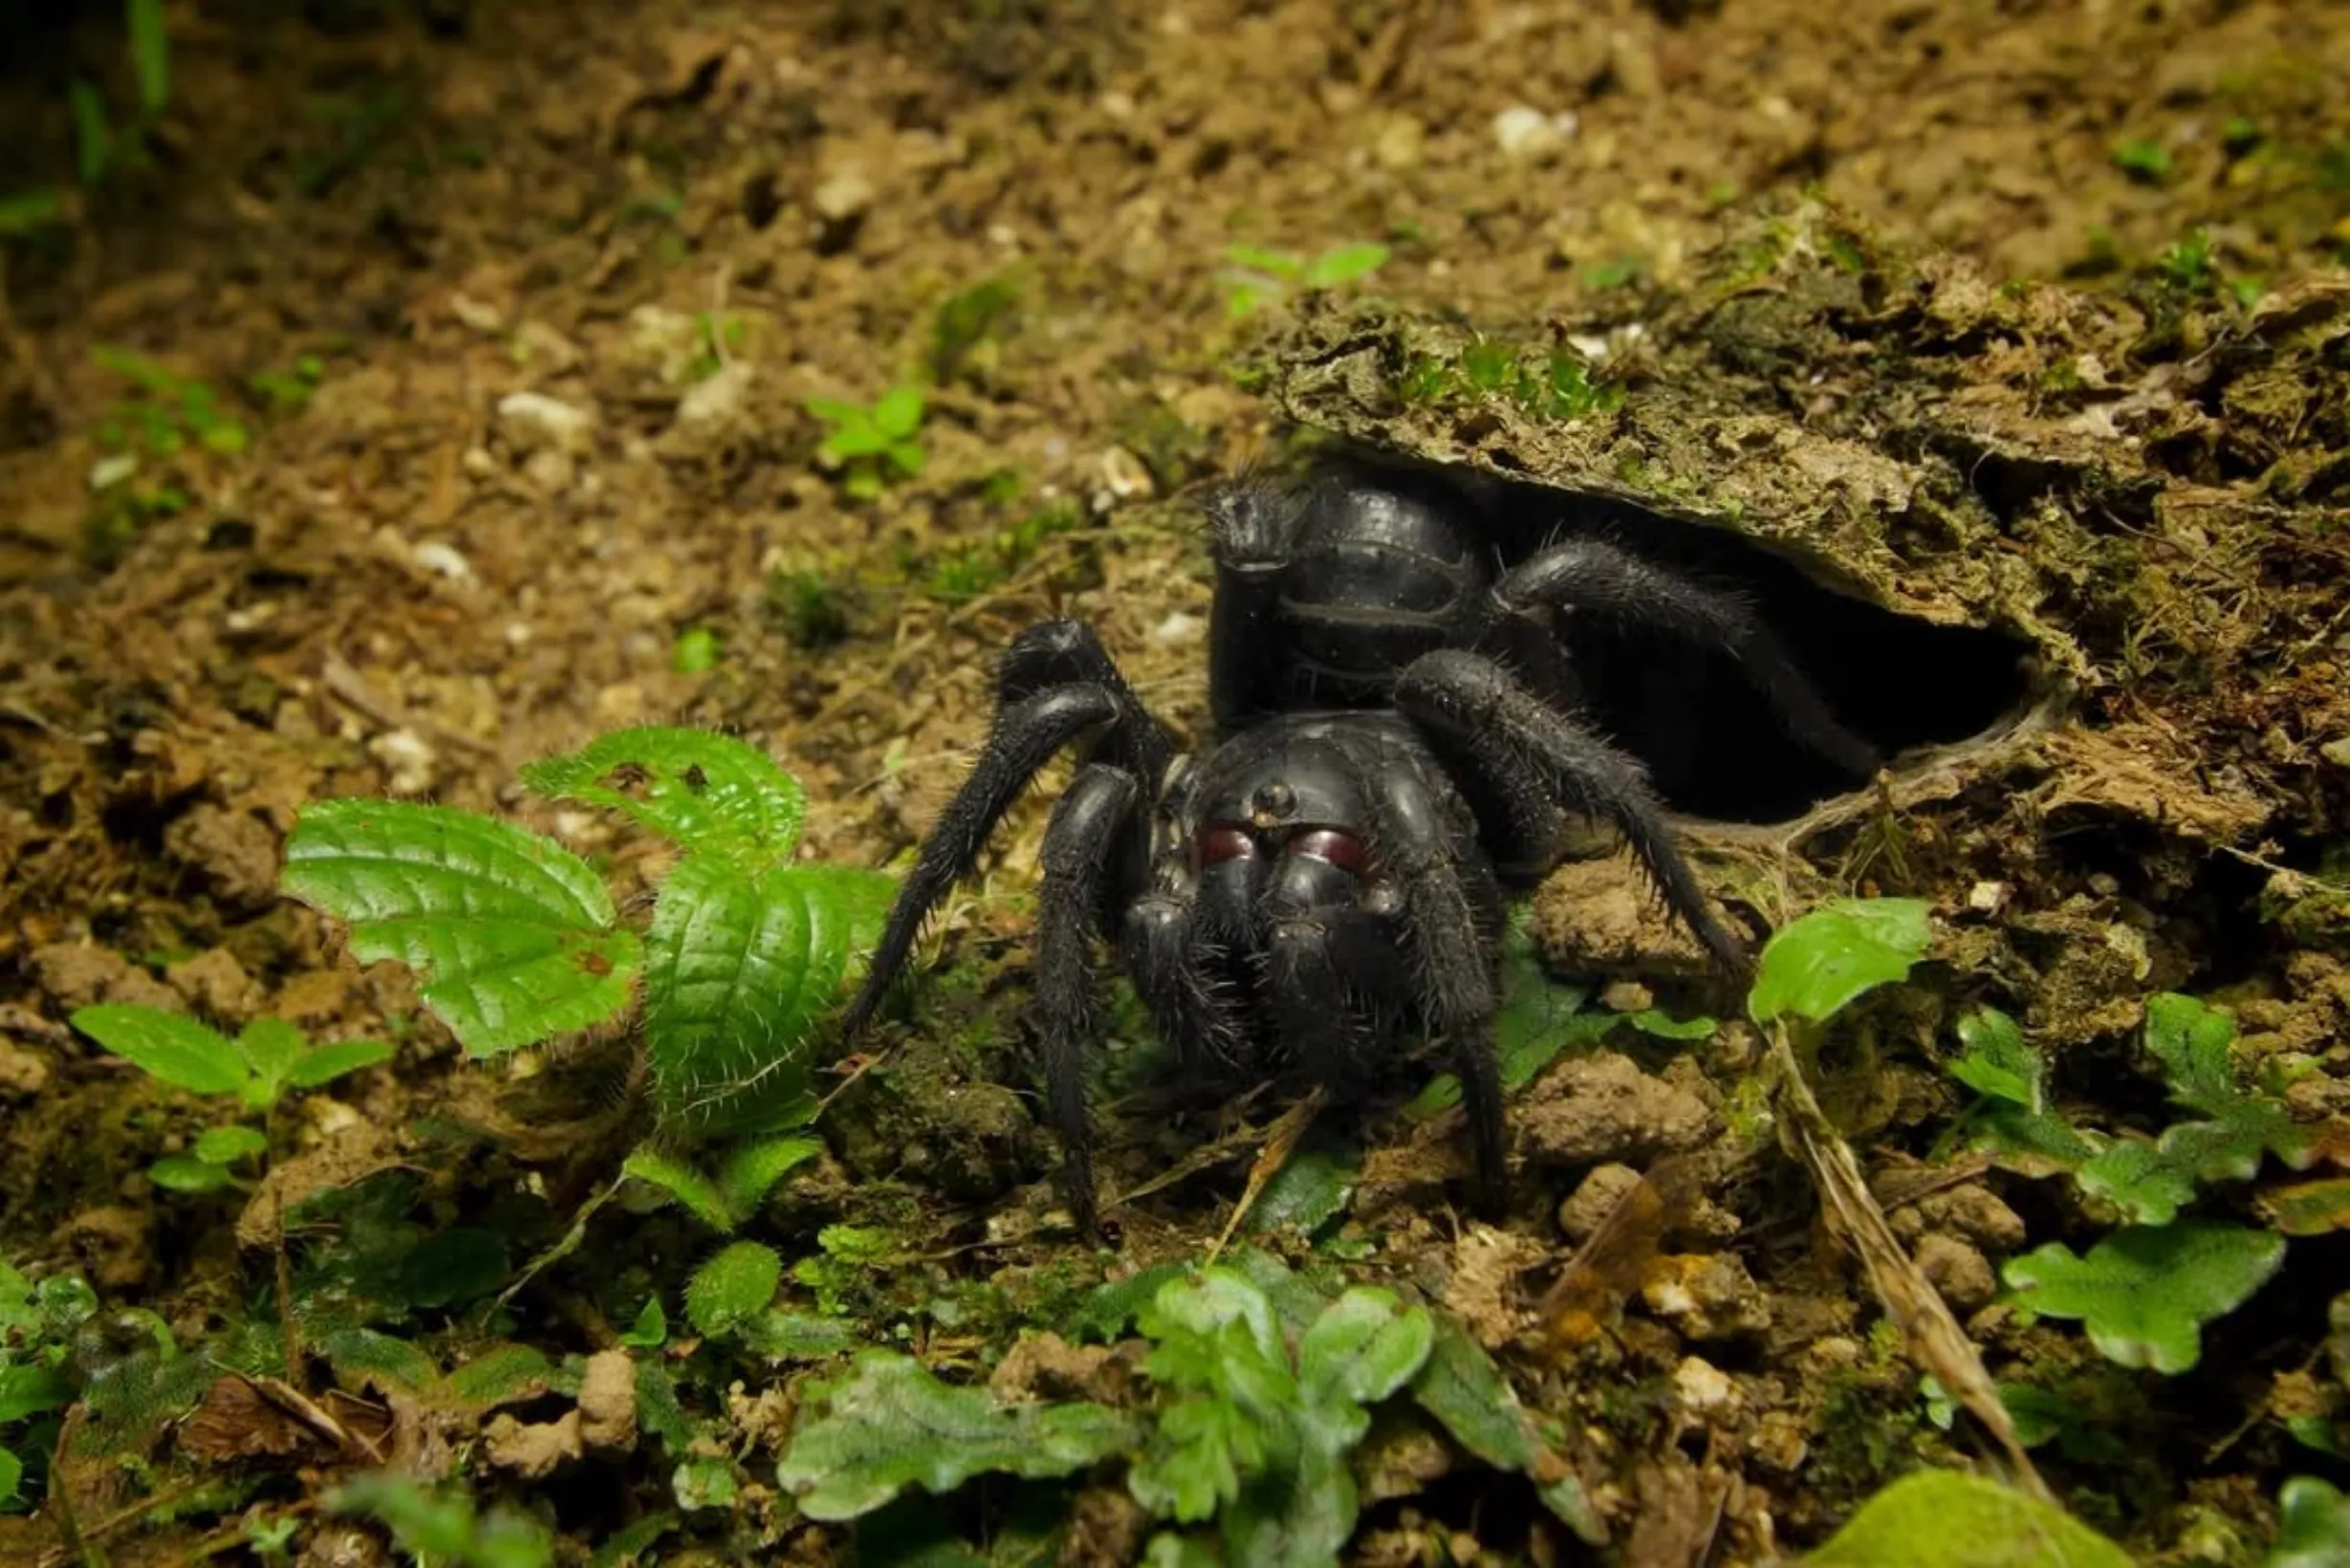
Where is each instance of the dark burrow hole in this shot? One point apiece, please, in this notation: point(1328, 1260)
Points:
point(1711, 746)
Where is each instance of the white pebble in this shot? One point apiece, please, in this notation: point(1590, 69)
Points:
point(1524, 132)
point(534, 421)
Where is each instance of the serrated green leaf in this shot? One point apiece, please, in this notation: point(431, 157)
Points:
point(1997, 1061)
point(2313, 1526)
point(1309, 1189)
point(2136, 1178)
point(742, 962)
point(337, 1058)
point(899, 413)
point(1462, 1387)
point(186, 1174)
point(750, 1171)
point(167, 1046)
point(226, 1145)
point(1816, 966)
point(1108, 1308)
point(740, 1280)
point(1951, 1520)
point(271, 1047)
point(499, 1376)
point(511, 934)
point(2144, 1292)
point(1360, 1350)
point(891, 1425)
point(2192, 1041)
point(688, 1186)
point(363, 1355)
point(708, 794)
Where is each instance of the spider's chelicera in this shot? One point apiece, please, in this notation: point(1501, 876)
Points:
point(1396, 748)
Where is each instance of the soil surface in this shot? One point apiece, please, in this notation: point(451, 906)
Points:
point(516, 311)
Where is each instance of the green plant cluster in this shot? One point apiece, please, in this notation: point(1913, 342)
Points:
point(517, 941)
point(1255, 276)
point(1260, 1390)
point(37, 1324)
point(871, 448)
point(2144, 1291)
point(1553, 384)
point(268, 1057)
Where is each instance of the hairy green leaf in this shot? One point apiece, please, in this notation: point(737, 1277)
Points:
point(2144, 1292)
point(890, 1425)
point(708, 793)
point(1952, 1519)
point(32, 1391)
point(750, 1170)
point(500, 1375)
point(168, 1046)
point(362, 1355)
point(2138, 1179)
point(2192, 1041)
point(1816, 966)
point(702, 1197)
point(1108, 1308)
point(742, 962)
point(741, 1280)
point(511, 935)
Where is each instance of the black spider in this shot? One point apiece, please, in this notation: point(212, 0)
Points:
point(1396, 746)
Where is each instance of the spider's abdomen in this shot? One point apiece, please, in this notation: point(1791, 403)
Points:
point(1375, 580)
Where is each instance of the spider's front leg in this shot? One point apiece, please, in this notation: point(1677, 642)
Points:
point(1090, 824)
point(1481, 714)
point(1054, 687)
point(1605, 581)
point(1451, 926)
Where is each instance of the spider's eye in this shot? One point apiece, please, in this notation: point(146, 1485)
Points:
point(1220, 841)
point(1340, 848)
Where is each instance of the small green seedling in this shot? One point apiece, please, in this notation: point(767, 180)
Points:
point(2149, 162)
point(517, 941)
point(1553, 384)
point(268, 1057)
point(695, 651)
point(166, 413)
point(288, 391)
point(872, 447)
point(1256, 275)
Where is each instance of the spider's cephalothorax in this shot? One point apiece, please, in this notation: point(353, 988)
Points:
point(1396, 746)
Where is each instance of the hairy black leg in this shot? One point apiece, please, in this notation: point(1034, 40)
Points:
point(1603, 580)
point(1165, 950)
point(1079, 842)
point(1450, 925)
point(1024, 738)
point(1491, 721)
point(1252, 524)
point(1054, 653)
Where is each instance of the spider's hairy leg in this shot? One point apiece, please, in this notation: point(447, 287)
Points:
point(1066, 652)
point(1498, 725)
point(1594, 578)
point(1081, 843)
point(1449, 920)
